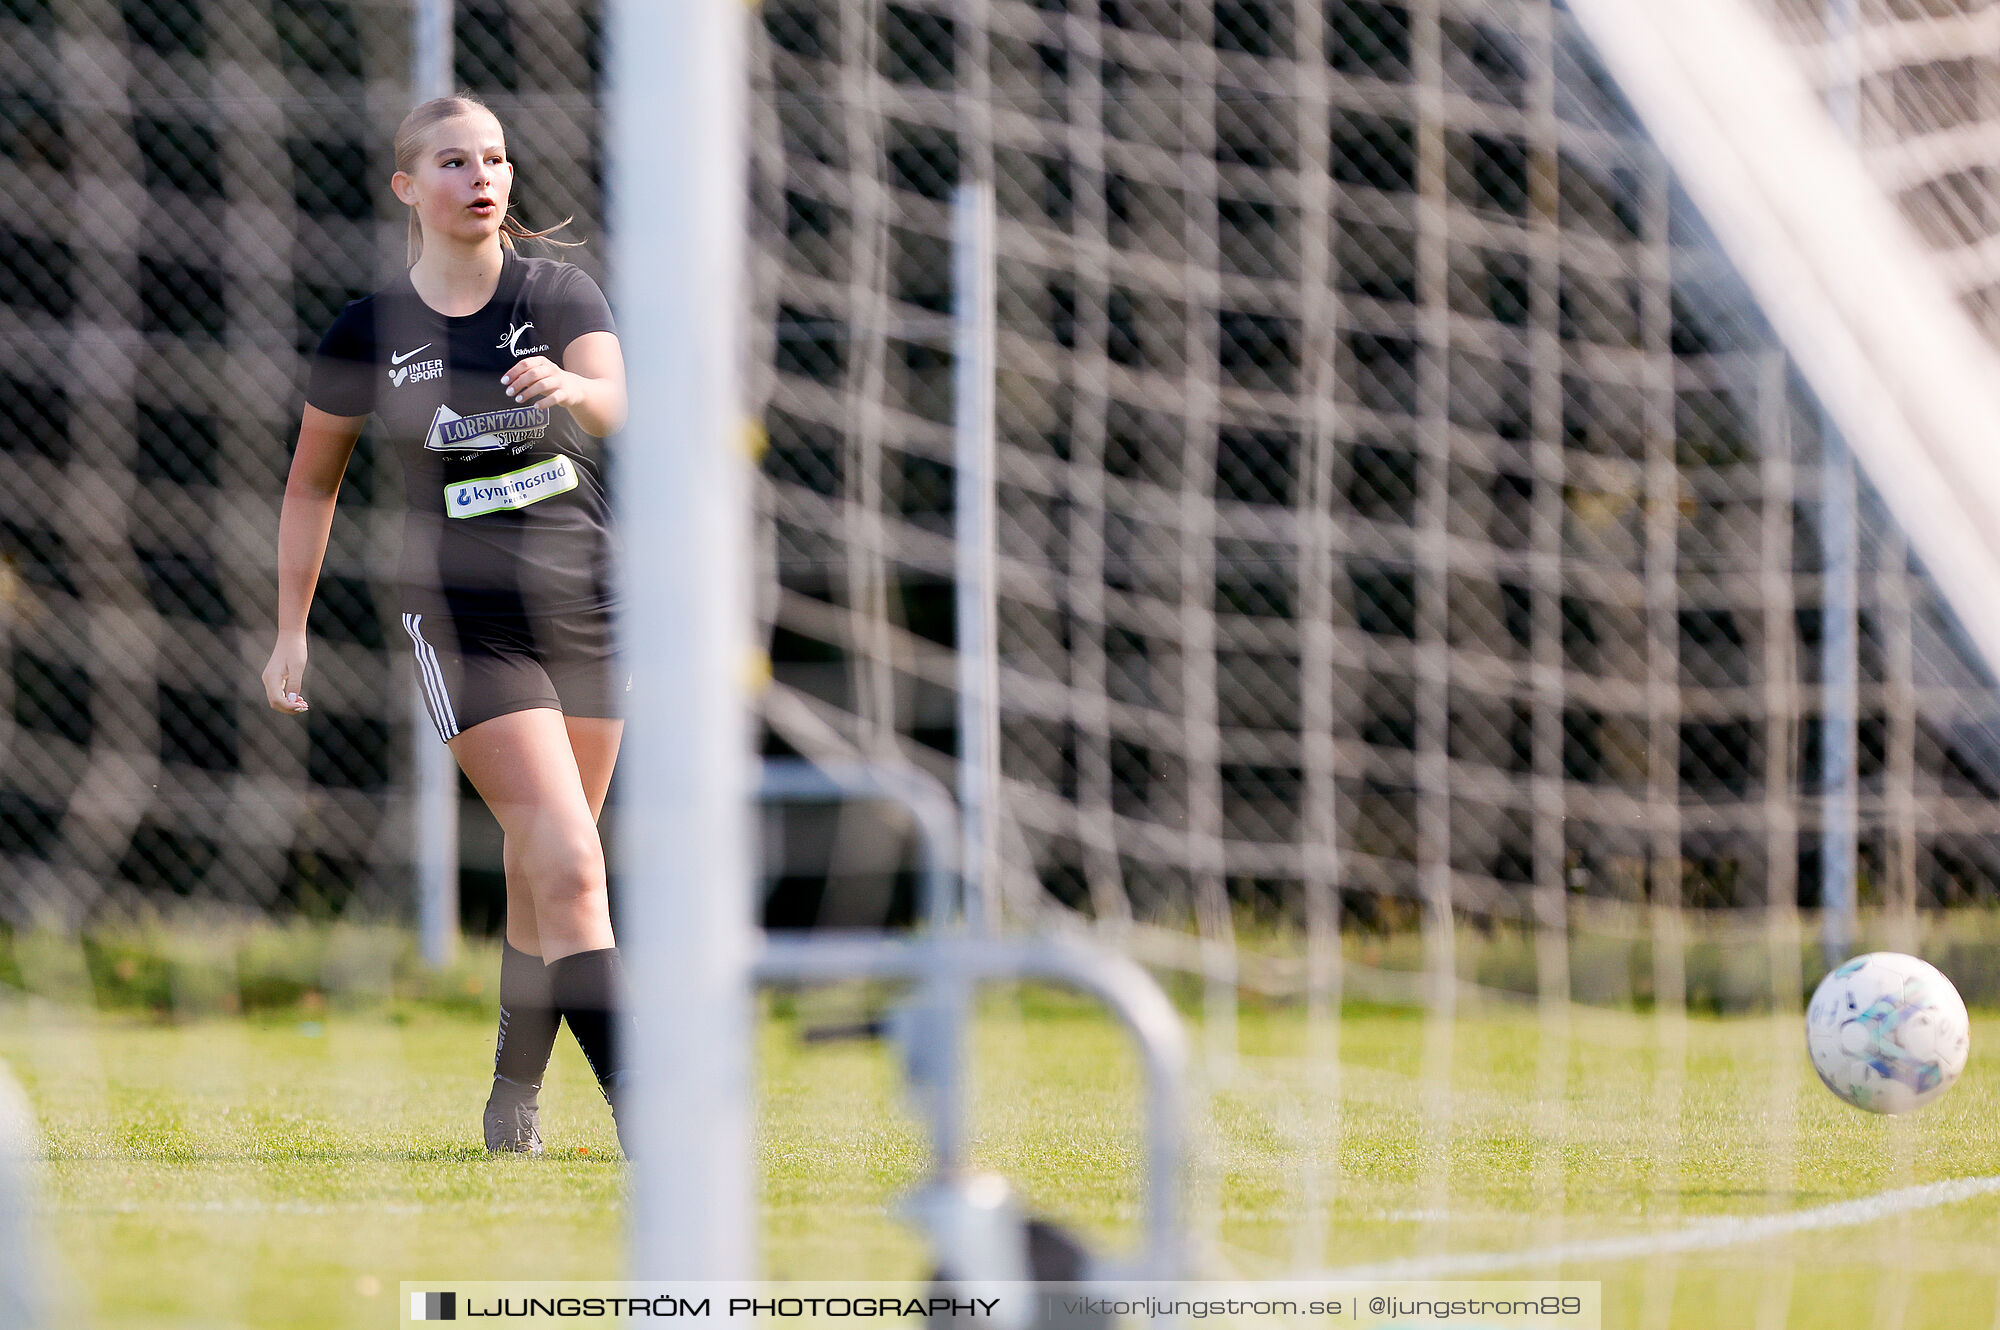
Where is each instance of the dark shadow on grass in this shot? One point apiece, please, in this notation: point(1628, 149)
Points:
point(1797, 1198)
point(435, 1154)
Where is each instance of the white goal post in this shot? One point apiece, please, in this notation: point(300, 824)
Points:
point(678, 164)
point(1845, 281)
point(434, 771)
point(23, 1265)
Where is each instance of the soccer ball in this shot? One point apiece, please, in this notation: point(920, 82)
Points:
point(1887, 1032)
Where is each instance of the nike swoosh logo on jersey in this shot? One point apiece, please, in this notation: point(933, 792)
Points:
point(395, 359)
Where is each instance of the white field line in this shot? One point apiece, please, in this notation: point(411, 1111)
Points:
point(1705, 1236)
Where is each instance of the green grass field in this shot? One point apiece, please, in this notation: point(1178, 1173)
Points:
point(288, 1168)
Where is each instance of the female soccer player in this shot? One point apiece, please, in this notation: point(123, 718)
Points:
point(495, 376)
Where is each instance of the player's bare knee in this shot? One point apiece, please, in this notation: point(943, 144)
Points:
point(571, 909)
point(568, 869)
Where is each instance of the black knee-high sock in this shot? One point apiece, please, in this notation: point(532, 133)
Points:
point(585, 987)
point(528, 1018)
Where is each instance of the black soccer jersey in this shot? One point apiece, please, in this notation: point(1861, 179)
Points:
point(507, 513)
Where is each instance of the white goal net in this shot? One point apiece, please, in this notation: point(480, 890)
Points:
point(1412, 581)
point(1430, 632)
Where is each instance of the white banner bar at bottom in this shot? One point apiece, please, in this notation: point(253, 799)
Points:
point(1370, 1305)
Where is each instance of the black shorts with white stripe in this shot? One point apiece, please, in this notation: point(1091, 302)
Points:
point(471, 669)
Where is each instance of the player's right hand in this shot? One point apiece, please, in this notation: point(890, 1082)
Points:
point(285, 676)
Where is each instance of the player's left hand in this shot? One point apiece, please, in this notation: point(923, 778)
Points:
point(539, 381)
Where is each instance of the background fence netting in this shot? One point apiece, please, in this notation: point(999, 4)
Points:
point(193, 192)
point(1403, 514)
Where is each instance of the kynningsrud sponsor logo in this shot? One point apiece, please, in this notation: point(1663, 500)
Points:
point(516, 489)
point(511, 343)
point(487, 431)
point(433, 1306)
point(400, 373)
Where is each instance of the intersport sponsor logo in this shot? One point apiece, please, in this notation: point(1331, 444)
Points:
point(400, 373)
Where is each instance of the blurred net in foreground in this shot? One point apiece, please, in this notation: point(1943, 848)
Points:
point(1398, 502)
point(1403, 511)
point(1408, 542)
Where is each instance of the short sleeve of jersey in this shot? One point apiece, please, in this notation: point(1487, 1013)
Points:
point(576, 306)
point(343, 368)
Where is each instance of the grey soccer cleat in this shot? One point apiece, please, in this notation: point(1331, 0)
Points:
point(513, 1120)
point(613, 1087)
